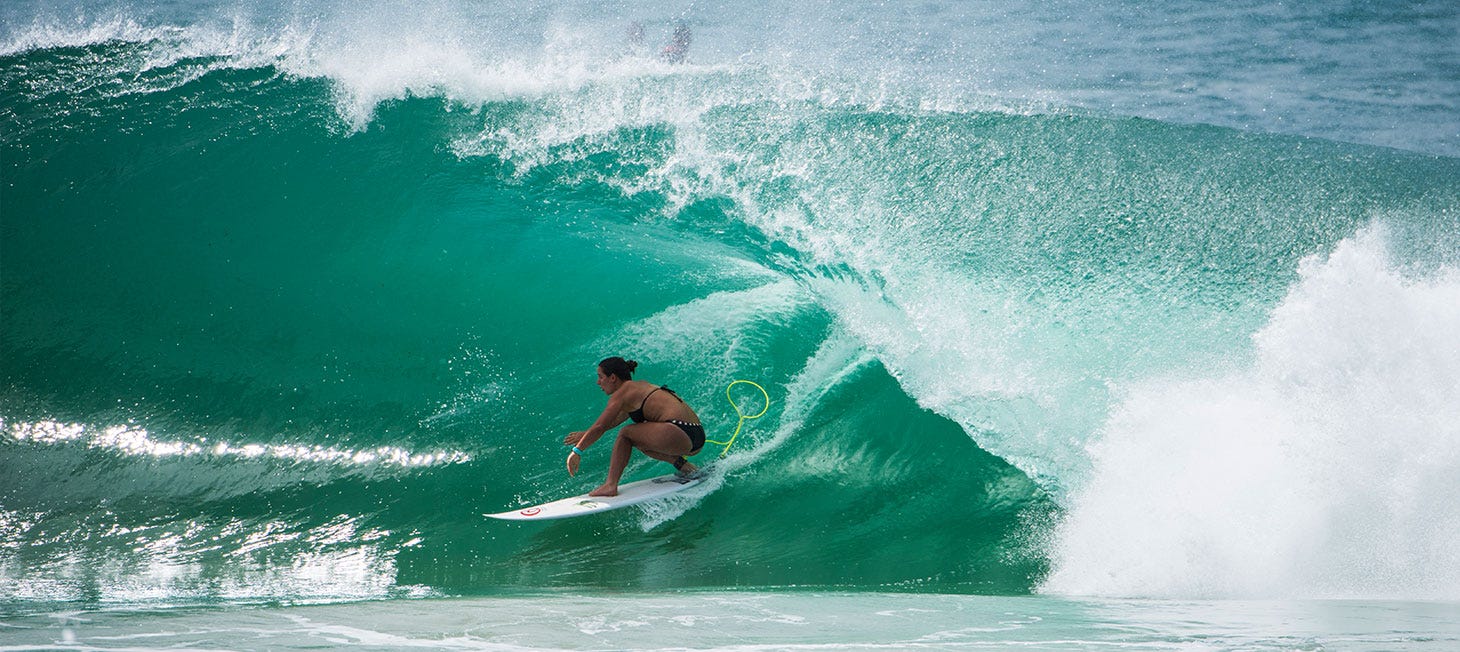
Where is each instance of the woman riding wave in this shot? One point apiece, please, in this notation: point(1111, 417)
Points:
point(664, 427)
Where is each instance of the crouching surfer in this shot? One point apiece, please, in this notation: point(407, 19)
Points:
point(664, 427)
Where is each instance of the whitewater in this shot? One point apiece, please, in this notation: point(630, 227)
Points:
point(1082, 326)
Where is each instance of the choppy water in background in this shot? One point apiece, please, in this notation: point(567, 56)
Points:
point(1115, 302)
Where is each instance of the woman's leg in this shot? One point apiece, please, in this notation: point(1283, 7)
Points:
point(661, 441)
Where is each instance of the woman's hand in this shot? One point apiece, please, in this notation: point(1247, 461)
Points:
point(574, 459)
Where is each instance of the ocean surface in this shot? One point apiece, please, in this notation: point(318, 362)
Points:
point(1133, 324)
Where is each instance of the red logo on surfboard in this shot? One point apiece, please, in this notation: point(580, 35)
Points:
point(530, 511)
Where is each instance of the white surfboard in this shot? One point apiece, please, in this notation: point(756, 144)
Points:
point(632, 493)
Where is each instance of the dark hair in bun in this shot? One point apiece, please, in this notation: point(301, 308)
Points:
point(620, 367)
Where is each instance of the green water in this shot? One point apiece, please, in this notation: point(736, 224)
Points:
point(259, 345)
point(782, 620)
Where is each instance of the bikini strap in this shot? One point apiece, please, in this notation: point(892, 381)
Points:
point(646, 397)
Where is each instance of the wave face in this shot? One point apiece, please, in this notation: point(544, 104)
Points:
point(293, 294)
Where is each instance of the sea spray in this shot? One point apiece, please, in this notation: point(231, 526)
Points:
point(1325, 468)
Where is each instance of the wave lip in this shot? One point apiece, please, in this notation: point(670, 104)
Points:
point(1373, 77)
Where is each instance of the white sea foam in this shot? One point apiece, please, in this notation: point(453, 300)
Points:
point(43, 35)
point(135, 441)
point(1379, 83)
point(1327, 468)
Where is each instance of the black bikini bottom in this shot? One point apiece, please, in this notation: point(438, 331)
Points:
point(696, 434)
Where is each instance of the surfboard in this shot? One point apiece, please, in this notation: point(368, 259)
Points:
point(629, 494)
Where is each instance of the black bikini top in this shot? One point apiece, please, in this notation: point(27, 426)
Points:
point(638, 415)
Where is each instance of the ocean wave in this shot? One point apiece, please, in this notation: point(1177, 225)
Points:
point(1321, 470)
point(269, 273)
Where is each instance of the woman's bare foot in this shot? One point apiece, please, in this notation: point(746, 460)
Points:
point(605, 490)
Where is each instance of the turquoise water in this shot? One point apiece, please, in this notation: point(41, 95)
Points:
point(780, 620)
point(1059, 309)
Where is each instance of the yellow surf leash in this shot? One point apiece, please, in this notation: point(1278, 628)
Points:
point(743, 416)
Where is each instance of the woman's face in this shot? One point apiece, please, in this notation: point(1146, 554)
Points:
point(607, 383)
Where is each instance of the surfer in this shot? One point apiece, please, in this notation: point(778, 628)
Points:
point(678, 45)
point(664, 427)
